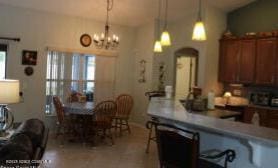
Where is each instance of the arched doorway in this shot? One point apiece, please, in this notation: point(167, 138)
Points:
point(185, 71)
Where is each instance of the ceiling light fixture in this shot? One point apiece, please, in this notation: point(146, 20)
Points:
point(199, 33)
point(157, 45)
point(165, 36)
point(104, 41)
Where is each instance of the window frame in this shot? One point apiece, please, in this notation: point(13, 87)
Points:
point(80, 78)
point(4, 48)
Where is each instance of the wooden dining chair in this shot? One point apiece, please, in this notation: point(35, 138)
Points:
point(103, 116)
point(62, 124)
point(124, 106)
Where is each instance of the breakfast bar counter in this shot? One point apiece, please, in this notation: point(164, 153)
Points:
point(250, 140)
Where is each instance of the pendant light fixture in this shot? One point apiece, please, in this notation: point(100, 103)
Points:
point(104, 41)
point(157, 45)
point(165, 36)
point(199, 33)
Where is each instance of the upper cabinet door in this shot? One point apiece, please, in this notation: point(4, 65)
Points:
point(229, 50)
point(266, 61)
point(247, 61)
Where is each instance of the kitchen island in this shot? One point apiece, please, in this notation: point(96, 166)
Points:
point(255, 146)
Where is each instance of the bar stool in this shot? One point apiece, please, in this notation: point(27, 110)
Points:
point(151, 137)
point(149, 125)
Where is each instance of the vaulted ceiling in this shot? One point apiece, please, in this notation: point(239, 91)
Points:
point(125, 12)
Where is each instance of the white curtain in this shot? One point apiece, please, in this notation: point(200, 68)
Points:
point(105, 78)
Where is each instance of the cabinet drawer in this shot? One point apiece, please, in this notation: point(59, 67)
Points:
point(272, 119)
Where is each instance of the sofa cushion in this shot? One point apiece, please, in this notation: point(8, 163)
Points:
point(10, 154)
point(34, 129)
point(23, 143)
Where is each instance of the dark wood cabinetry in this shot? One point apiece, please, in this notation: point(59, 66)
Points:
point(229, 50)
point(267, 117)
point(249, 61)
point(266, 61)
point(237, 61)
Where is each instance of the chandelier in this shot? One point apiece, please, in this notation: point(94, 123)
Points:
point(104, 40)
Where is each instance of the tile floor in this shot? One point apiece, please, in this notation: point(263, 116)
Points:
point(128, 152)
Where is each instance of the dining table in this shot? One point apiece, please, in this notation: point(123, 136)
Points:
point(81, 114)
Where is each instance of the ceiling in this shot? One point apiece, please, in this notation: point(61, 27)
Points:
point(125, 12)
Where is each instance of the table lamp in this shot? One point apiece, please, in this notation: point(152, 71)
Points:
point(227, 95)
point(9, 94)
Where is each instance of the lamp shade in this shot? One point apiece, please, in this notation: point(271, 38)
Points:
point(227, 94)
point(199, 33)
point(165, 39)
point(157, 47)
point(9, 91)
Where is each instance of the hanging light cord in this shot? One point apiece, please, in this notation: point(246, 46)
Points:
point(159, 15)
point(166, 15)
point(110, 4)
point(199, 13)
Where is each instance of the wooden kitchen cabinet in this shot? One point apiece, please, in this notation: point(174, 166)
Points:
point(272, 119)
point(249, 113)
point(267, 117)
point(247, 61)
point(237, 61)
point(229, 50)
point(266, 66)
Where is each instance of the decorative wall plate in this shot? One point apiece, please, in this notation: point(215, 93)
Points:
point(85, 40)
point(29, 71)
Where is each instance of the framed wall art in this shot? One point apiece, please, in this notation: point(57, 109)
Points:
point(29, 57)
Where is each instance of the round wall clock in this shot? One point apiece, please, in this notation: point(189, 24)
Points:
point(29, 71)
point(85, 40)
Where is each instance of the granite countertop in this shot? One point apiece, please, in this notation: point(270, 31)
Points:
point(173, 110)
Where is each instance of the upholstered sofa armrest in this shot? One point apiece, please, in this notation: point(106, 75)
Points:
point(44, 139)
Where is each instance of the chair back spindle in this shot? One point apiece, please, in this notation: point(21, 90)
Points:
point(105, 111)
point(59, 109)
point(124, 105)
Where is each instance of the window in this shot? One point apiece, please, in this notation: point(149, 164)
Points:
point(66, 73)
point(3, 60)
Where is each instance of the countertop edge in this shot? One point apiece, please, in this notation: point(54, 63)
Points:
point(239, 134)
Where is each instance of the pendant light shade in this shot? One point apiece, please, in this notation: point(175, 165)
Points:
point(157, 46)
point(165, 38)
point(199, 32)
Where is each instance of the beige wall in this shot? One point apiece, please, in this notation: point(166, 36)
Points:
point(181, 33)
point(143, 50)
point(38, 30)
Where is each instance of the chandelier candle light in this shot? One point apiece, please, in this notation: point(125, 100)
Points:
point(165, 39)
point(104, 41)
point(199, 33)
